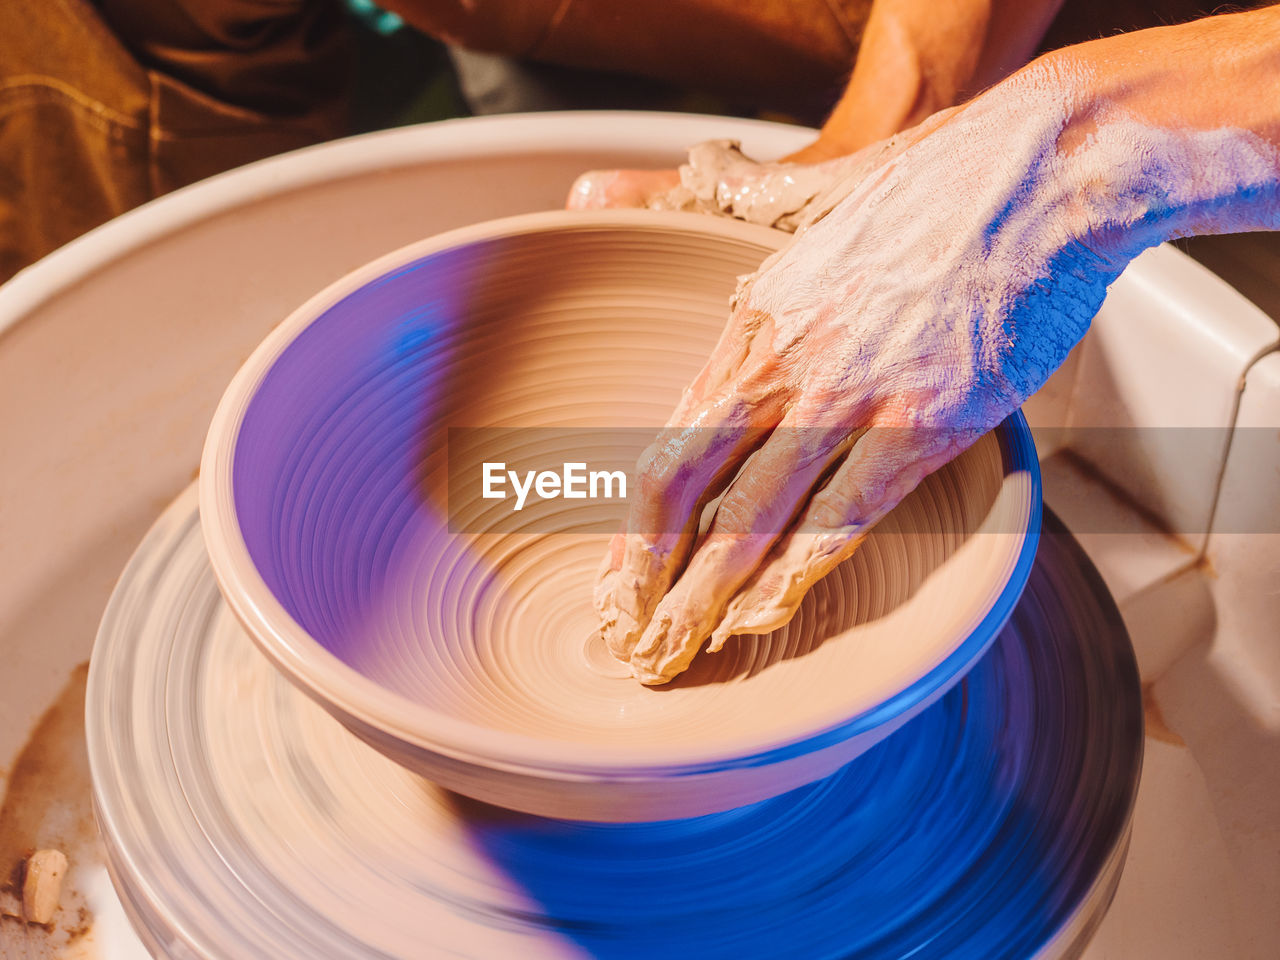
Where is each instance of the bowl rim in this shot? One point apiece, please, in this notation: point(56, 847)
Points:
point(351, 695)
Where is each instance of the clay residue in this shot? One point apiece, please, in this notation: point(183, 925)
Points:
point(722, 181)
point(47, 806)
point(1126, 499)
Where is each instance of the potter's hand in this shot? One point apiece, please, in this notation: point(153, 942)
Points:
point(937, 294)
point(719, 179)
point(599, 189)
point(891, 334)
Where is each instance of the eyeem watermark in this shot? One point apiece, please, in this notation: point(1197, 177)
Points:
point(542, 479)
point(573, 482)
point(577, 480)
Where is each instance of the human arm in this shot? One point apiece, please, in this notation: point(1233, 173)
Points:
point(918, 57)
point(942, 289)
point(915, 57)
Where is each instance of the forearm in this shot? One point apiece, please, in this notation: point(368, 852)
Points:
point(918, 57)
point(1167, 132)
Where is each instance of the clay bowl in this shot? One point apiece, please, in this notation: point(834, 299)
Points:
point(345, 524)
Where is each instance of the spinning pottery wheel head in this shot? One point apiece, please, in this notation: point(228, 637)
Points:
point(342, 502)
point(991, 827)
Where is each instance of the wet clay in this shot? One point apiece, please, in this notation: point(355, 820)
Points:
point(719, 179)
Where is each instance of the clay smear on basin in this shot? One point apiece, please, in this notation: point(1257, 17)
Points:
point(47, 805)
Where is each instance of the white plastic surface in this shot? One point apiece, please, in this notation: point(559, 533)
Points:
point(1165, 357)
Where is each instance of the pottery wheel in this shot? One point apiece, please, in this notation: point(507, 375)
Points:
point(242, 821)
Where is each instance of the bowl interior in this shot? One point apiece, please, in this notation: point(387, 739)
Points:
point(355, 489)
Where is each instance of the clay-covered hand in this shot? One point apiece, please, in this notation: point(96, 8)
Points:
point(719, 179)
point(605, 189)
point(954, 270)
point(951, 276)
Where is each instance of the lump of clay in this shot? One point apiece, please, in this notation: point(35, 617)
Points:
point(42, 885)
point(721, 180)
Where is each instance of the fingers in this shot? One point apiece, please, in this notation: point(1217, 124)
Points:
point(605, 589)
point(885, 465)
point(821, 150)
point(620, 188)
point(762, 501)
point(719, 179)
point(725, 413)
point(726, 359)
point(678, 476)
point(770, 598)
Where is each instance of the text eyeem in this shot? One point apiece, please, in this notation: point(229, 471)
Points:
point(573, 482)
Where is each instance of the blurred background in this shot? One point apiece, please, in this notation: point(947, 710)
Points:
point(106, 104)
